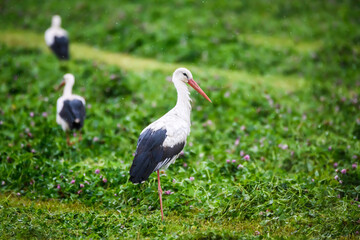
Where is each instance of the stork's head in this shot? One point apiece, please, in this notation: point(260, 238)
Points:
point(56, 21)
point(184, 75)
point(68, 79)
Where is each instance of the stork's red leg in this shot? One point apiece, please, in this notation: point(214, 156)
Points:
point(160, 196)
point(68, 139)
point(80, 136)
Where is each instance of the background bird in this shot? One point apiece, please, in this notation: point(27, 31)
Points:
point(70, 108)
point(57, 39)
point(161, 142)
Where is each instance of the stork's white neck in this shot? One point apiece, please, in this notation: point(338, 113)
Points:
point(183, 106)
point(68, 90)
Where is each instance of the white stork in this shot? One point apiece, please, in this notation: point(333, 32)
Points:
point(161, 142)
point(57, 39)
point(70, 108)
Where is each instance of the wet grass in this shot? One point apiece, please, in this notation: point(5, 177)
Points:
point(289, 145)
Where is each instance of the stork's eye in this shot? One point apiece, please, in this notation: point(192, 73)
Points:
point(185, 75)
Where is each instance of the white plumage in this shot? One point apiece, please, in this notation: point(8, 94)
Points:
point(70, 108)
point(54, 31)
point(177, 125)
point(161, 142)
point(59, 105)
point(57, 39)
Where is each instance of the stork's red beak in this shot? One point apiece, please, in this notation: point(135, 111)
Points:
point(60, 86)
point(194, 85)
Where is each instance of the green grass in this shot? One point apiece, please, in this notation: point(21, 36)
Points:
point(128, 62)
point(287, 87)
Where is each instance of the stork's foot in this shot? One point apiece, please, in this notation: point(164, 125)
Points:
point(80, 137)
point(68, 141)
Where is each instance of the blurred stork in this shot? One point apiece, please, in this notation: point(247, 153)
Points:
point(70, 108)
point(161, 142)
point(57, 39)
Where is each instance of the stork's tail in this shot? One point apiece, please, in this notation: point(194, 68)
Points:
point(138, 171)
point(76, 123)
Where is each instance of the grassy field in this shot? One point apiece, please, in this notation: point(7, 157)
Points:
point(284, 79)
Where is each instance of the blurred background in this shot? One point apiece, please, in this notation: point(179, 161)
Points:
point(264, 37)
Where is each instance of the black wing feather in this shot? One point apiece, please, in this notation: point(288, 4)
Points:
point(61, 47)
point(150, 152)
point(73, 112)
